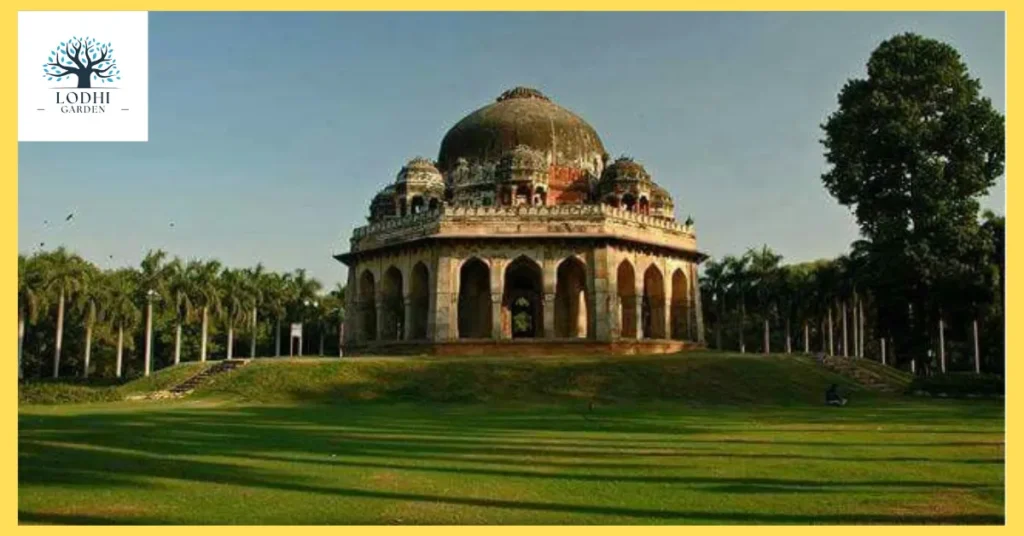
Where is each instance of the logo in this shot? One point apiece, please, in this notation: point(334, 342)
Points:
point(83, 76)
point(86, 61)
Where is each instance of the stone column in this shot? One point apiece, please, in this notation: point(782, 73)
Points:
point(666, 314)
point(380, 316)
point(638, 305)
point(549, 315)
point(407, 322)
point(497, 329)
point(446, 293)
point(603, 315)
point(432, 304)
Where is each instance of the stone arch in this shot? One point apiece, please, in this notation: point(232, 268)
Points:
point(368, 306)
point(629, 202)
point(653, 307)
point(523, 195)
point(393, 305)
point(571, 298)
point(626, 291)
point(418, 204)
point(644, 206)
point(419, 301)
point(612, 201)
point(680, 302)
point(523, 299)
point(474, 299)
point(434, 204)
point(540, 196)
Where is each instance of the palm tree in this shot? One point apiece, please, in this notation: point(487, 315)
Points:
point(90, 304)
point(739, 283)
point(763, 275)
point(275, 300)
point(255, 278)
point(205, 294)
point(122, 311)
point(180, 289)
point(715, 285)
point(64, 275)
point(304, 291)
point(237, 299)
point(153, 276)
point(30, 296)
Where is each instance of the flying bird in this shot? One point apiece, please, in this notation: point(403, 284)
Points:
point(46, 222)
point(42, 244)
point(72, 215)
point(172, 224)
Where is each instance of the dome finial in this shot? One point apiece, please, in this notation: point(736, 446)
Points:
point(522, 92)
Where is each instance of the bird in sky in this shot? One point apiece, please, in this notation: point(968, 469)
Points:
point(72, 215)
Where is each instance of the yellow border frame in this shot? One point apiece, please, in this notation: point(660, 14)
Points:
point(9, 223)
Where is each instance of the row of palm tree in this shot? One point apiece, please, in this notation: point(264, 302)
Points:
point(172, 292)
point(832, 303)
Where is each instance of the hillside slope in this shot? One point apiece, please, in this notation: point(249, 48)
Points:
point(695, 377)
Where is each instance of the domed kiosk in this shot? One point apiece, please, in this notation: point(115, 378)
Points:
point(522, 238)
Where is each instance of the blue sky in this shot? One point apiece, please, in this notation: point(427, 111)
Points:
point(269, 133)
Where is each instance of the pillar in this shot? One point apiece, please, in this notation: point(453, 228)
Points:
point(549, 315)
point(603, 314)
point(407, 323)
point(380, 315)
point(497, 327)
point(445, 296)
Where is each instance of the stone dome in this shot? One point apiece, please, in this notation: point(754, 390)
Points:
point(421, 172)
point(523, 117)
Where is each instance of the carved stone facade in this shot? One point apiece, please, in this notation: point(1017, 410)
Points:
point(523, 232)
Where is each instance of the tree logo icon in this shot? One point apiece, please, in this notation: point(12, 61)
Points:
point(84, 57)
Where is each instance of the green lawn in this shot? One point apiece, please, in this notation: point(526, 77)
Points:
point(207, 460)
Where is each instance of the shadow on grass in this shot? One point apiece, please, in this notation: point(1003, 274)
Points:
point(133, 449)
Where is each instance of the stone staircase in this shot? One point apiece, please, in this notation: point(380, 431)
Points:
point(847, 366)
point(186, 387)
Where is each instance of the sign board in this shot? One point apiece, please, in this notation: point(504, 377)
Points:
point(297, 330)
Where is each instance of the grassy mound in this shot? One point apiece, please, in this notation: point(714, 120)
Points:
point(697, 378)
point(77, 390)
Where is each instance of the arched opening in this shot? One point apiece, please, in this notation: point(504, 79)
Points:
point(419, 294)
point(417, 204)
point(627, 300)
point(571, 299)
point(402, 207)
point(612, 201)
point(540, 197)
point(506, 197)
point(522, 195)
point(434, 204)
point(680, 299)
point(653, 309)
point(523, 299)
point(393, 304)
point(474, 300)
point(629, 202)
point(645, 207)
point(368, 306)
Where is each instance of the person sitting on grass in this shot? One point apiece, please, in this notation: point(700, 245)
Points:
point(832, 397)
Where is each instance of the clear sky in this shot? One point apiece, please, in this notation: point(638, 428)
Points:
point(269, 133)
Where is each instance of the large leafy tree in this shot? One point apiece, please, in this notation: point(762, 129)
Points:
point(206, 295)
point(237, 299)
point(763, 275)
point(911, 148)
point(90, 304)
point(714, 287)
point(181, 288)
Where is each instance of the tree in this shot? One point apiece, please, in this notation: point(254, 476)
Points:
point(206, 294)
point(85, 58)
point(122, 311)
point(64, 275)
point(237, 300)
point(337, 310)
point(303, 291)
point(90, 304)
point(763, 275)
point(30, 301)
point(911, 149)
point(275, 301)
point(715, 286)
point(255, 278)
point(181, 287)
point(153, 275)
point(739, 285)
